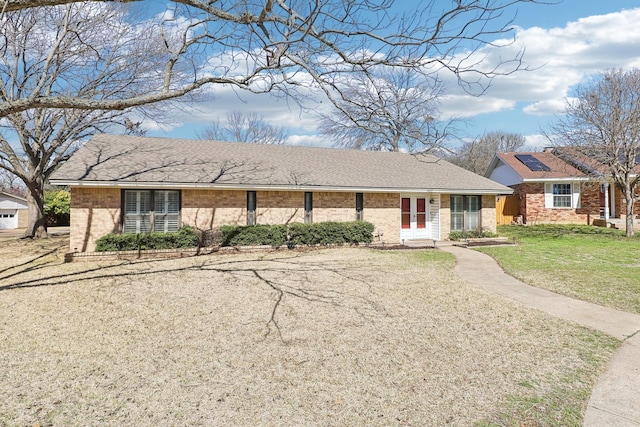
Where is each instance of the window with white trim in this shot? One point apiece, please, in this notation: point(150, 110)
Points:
point(151, 210)
point(562, 195)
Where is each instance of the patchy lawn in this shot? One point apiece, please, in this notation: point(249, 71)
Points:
point(327, 337)
point(594, 264)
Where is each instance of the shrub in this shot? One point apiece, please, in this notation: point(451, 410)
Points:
point(185, 237)
point(253, 235)
point(471, 234)
point(57, 207)
point(324, 233)
point(321, 233)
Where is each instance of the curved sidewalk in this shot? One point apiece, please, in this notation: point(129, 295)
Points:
point(615, 400)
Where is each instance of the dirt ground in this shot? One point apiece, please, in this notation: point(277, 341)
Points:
point(286, 338)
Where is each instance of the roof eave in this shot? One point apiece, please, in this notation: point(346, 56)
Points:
point(569, 178)
point(272, 187)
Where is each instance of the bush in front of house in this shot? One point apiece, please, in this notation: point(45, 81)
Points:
point(327, 233)
point(185, 237)
point(320, 233)
point(253, 235)
point(471, 234)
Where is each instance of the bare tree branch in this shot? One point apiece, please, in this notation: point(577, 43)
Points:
point(244, 127)
point(600, 133)
point(391, 110)
point(280, 45)
point(476, 155)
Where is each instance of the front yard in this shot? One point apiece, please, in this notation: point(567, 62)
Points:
point(593, 264)
point(326, 337)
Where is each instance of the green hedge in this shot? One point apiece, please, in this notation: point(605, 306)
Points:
point(185, 237)
point(324, 233)
point(321, 233)
point(253, 235)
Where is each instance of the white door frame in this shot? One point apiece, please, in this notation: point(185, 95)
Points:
point(419, 223)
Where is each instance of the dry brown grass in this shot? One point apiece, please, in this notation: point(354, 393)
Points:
point(333, 337)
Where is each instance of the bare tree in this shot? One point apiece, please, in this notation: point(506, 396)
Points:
point(278, 45)
point(69, 68)
point(601, 128)
point(9, 183)
point(85, 49)
point(393, 110)
point(245, 127)
point(476, 155)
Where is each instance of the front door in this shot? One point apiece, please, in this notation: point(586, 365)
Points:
point(414, 214)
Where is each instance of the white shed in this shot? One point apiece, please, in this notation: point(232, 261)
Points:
point(13, 211)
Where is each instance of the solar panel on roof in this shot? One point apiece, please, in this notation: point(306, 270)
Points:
point(532, 163)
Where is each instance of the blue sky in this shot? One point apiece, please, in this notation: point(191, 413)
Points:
point(565, 44)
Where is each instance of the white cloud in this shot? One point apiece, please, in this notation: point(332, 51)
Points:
point(535, 142)
point(309, 140)
point(545, 108)
point(557, 59)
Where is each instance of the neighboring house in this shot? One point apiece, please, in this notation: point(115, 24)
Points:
point(137, 184)
point(13, 211)
point(550, 186)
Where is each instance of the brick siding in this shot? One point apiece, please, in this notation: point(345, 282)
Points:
point(533, 210)
point(488, 213)
point(94, 213)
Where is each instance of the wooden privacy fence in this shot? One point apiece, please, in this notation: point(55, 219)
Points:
point(507, 209)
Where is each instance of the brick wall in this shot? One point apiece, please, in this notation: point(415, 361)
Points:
point(207, 209)
point(383, 211)
point(94, 213)
point(488, 213)
point(532, 205)
point(621, 205)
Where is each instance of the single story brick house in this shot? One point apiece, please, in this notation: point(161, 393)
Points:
point(135, 184)
point(13, 211)
point(551, 187)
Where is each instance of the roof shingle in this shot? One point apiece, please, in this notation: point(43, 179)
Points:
point(125, 160)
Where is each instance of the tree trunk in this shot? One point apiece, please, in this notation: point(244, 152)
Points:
point(37, 224)
point(629, 200)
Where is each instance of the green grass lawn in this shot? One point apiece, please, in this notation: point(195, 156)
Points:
point(593, 264)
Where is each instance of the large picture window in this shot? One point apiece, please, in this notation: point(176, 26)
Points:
point(151, 210)
point(465, 213)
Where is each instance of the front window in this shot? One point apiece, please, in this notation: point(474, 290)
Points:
point(561, 195)
point(251, 208)
point(308, 207)
point(465, 213)
point(151, 210)
point(359, 206)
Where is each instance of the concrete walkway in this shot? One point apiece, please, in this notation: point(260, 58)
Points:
point(615, 400)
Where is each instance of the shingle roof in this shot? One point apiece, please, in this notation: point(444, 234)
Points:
point(558, 168)
point(129, 160)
